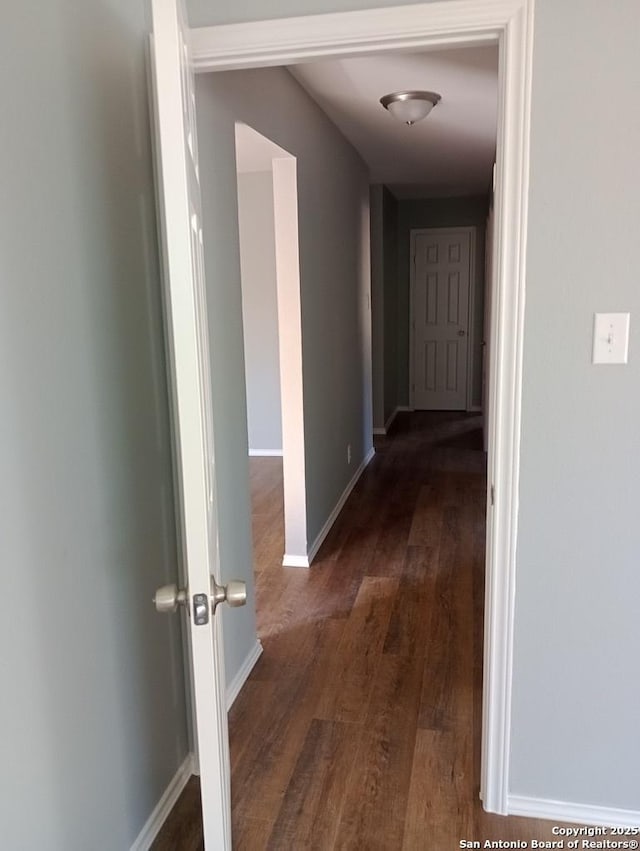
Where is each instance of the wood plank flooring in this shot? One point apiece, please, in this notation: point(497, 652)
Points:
point(359, 727)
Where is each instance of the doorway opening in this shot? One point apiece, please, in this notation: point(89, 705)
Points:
point(270, 283)
point(389, 623)
point(415, 27)
point(259, 96)
point(412, 529)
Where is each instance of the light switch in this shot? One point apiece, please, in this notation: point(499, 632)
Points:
point(611, 338)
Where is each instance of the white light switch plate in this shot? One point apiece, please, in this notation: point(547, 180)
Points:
point(611, 338)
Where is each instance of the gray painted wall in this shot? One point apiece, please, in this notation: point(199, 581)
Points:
point(391, 296)
point(577, 619)
point(260, 310)
point(377, 302)
point(332, 194)
point(92, 712)
point(384, 303)
point(576, 694)
point(206, 12)
point(439, 213)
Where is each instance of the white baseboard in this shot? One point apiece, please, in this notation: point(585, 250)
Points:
point(389, 422)
point(558, 811)
point(338, 507)
point(164, 806)
point(265, 453)
point(305, 561)
point(295, 561)
point(233, 689)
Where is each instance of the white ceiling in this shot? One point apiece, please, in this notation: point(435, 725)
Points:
point(451, 152)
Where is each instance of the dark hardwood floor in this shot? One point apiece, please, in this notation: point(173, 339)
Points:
point(359, 727)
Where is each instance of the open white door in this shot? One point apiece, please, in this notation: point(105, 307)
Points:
point(188, 353)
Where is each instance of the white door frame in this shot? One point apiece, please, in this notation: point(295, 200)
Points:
point(471, 301)
point(509, 23)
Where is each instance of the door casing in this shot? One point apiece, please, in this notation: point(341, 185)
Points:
point(509, 23)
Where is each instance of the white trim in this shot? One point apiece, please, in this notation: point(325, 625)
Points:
point(472, 230)
point(233, 689)
point(391, 419)
point(430, 24)
point(322, 534)
point(558, 811)
point(161, 811)
point(265, 453)
point(286, 41)
point(295, 561)
point(505, 390)
point(305, 561)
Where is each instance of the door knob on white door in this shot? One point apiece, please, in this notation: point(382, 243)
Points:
point(234, 593)
point(169, 597)
point(461, 333)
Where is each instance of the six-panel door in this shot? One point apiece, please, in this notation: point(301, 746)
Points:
point(441, 319)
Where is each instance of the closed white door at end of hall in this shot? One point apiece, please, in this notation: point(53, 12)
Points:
point(441, 278)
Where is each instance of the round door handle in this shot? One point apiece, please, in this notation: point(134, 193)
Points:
point(169, 597)
point(234, 593)
point(461, 333)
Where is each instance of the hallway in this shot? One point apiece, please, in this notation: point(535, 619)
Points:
point(359, 727)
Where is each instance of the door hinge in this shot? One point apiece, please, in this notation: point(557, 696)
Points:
point(492, 495)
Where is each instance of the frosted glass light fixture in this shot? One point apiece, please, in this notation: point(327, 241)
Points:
point(410, 106)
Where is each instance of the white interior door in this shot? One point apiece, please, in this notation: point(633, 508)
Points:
point(440, 318)
point(188, 354)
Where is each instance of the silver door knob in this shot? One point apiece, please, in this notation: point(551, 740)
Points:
point(169, 597)
point(234, 593)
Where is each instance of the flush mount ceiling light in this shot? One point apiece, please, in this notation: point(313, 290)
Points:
point(410, 106)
